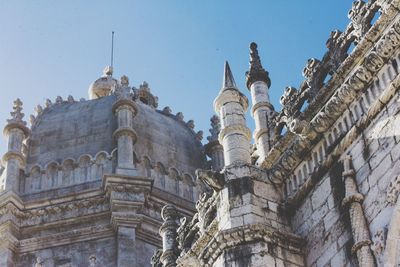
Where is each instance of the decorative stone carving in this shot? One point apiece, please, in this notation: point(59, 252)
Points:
point(59, 100)
point(213, 179)
point(70, 99)
point(144, 95)
point(256, 72)
point(92, 261)
point(16, 114)
point(190, 124)
point(167, 110)
point(378, 243)
point(215, 128)
point(39, 262)
point(155, 259)
point(199, 136)
point(179, 116)
point(48, 103)
point(188, 233)
point(357, 17)
point(292, 100)
point(168, 232)
point(337, 46)
point(393, 190)
point(359, 226)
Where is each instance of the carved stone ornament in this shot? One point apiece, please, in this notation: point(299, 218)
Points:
point(292, 100)
point(215, 180)
point(378, 243)
point(393, 190)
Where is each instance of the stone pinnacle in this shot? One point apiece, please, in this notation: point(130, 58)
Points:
point(256, 72)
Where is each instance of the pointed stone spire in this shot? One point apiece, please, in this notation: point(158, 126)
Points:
point(256, 72)
point(228, 81)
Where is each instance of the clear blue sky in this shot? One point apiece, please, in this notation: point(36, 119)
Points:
point(51, 48)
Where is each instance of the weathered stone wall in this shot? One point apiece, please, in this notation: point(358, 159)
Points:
point(73, 255)
point(320, 218)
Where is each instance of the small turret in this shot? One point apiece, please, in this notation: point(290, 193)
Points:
point(125, 109)
point(14, 160)
point(231, 106)
point(213, 148)
point(258, 83)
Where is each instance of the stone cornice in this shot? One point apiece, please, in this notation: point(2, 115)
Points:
point(285, 156)
point(16, 125)
point(212, 243)
point(125, 103)
point(64, 238)
point(230, 95)
point(125, 131)
point(345, 142)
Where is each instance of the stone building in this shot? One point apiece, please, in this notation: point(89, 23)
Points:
point(113, 181)
point(85, 183)
point(320, 184)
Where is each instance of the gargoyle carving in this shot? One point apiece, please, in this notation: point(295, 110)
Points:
point(213, 179)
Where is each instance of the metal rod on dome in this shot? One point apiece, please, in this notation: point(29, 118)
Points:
point(112, 49)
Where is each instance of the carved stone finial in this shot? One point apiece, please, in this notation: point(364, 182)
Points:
point(179, 116)
point(190, 124)
point(144, 95)
point(70, 99)
point(17, 115)
point(108, 71)
point(38, 109)
point(59, 100)
point(228, 81)
point(199, 136)
point(167, 110)
point(256, 72)
point(144, 86)
point(124, 80)
point(215, 128)
point(47, 104)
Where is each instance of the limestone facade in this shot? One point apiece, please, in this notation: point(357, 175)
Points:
point(104, 181)
point(85, 183)
point(322, 183)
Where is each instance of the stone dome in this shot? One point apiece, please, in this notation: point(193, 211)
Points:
point(69, 130)
point(103, 85)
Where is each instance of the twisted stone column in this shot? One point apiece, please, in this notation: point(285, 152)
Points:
point(353, 200)
point(168, 232)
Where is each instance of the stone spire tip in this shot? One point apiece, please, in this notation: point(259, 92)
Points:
point(228, 80)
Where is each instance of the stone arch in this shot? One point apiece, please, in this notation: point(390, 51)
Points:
point(36, 178)
point(51, 175)
point(85, 167)
point(100, 165)
point(188, 184)
point(67, 177)
point(174, 175)
point(160, 174)
point(147, 166)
